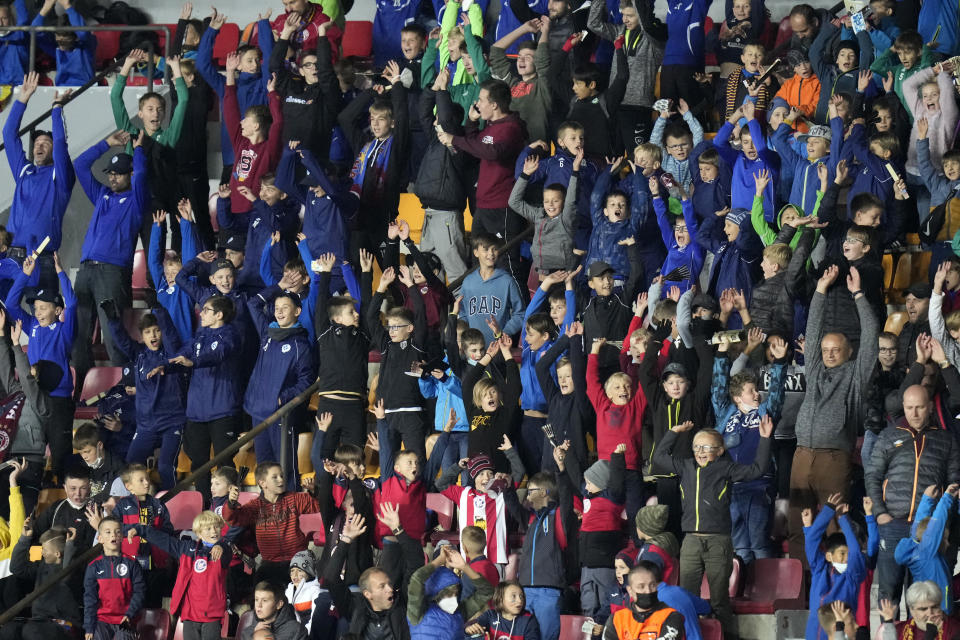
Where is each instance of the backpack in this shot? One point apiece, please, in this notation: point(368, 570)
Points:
point(121, 13)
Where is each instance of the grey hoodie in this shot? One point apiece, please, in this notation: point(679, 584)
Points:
point(552, 246)
point(29, 440)
point(643, 63)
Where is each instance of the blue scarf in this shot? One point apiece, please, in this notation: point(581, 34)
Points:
point(375, 155)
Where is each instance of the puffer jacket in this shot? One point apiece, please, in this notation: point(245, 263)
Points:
point(771, 304)
point(440, 181)
point(904, 463)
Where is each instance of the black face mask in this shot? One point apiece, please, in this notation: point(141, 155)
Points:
point(703, 327)
point(646, 600)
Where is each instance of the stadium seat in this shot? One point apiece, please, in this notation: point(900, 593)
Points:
point(357, 38)
point(153, 624)
point(887, 264)
point(98, 380)
point(108, 46)
point(895, 322)
point(710, 629)
point(443, 507)
point(734, 584)
point(920, 267)
point(183, 508)
point(247, 619)
point(226, 42)
point(772, 584)
point(901, 278)
point(311, 524)
point(139, 283)
point(571, 627)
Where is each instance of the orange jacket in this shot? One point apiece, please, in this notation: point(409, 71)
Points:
point(801, 93)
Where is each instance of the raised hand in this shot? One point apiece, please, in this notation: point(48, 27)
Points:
point(806, 516)
point(354, 527)
point(530, 164)
point(324, 420)
point(828, 278)
point(761, 179)
point(186, 11)
point(366, 261)
point(389, 515)
point(841, 172)
point(766, 426)
point(29, 86)
point(217, 20)
point(379, 410)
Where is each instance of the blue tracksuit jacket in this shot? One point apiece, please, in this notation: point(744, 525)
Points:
point(42, 194)
point(606, 234)
point(259, 224)
point(793, 159)
point(15, 48)
point(75, 67)
point(161, 399)
point(734, 263)
point(54, 341)
point(685, 34)
point(170, 295)
point(923, 557)
point(284, 367)
point(216, 386)
point(690, 256)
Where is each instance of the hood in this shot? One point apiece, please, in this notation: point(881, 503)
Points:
point(279, 334)
point(784, 208)
point(438, 581)
point(652, 520)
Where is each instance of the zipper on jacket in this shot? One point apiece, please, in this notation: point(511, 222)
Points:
point(697, 502)
point(916, 471)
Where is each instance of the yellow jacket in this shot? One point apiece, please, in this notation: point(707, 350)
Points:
point(10, 531)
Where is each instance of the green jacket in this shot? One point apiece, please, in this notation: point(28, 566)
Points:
point(167, 137)
point(463, 94)
point(890, 62)
point(417, 604)
point(767, 233)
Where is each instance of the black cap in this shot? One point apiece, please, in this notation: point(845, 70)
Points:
point(235, 242)
point(223, 263)
point(797, 57)
point(120, 163)
point(918, 290)
point(674, 369)
point(598, 268)
point(705, 301)
point(46, 295)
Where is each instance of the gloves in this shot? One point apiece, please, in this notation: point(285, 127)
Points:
point(662, 330)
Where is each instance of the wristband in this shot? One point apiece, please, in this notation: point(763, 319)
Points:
point(944, 364)
point(345, 539)
point(884, 621)
point(398, 531)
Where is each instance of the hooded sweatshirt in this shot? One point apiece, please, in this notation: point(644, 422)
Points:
point(743, 187)
point(427, 620)
point(735, 263)
point(499, 296)
point(689, 255)
point(828, 584)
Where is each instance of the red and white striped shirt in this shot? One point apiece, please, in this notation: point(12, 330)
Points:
point(478, 509)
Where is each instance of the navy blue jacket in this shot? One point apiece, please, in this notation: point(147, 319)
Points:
point(216, 387)
point(162, 399)
point(14, 51)
point(113, 587)
point(284, 366)
point(42, 193)
point(259, 224)
point(189, 280)
point(112, 233)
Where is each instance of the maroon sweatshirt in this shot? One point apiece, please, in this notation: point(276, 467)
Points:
point(497, 146)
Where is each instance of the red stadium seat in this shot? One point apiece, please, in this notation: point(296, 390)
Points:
point(248, 619)
point(443, 507)
point(98, 380)
point(570, 627)
point(139, 281)
point(183, 508)
point(311, 524)
point(358, 38)
point(108, 46)
point(153, 624)
point(734, 584)
point(226, 42)
point(772, 584)
point(710, 629)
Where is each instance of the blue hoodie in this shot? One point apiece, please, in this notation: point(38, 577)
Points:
point(734, 263)
point(170, 295)
point(216, 386)
point(284, 366)
point(42, 194)
point(437, 623)
point(15, 49)
point(75, 67)
point(251, 87)
point(806, 181)
point(827, 584)
point(922, 557)
point(690, 256)
point(743, 187)
point(606, 234)
point(939, 17)
point(507, 21)
point(741, 431)
point(161, 399)
point(54, 341)
point(499, 296)
point(449, 395)
point(873, 176)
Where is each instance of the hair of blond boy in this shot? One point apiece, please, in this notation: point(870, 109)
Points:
point(779, 254)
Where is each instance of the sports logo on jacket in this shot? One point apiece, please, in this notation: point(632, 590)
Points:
point(487, 140)
point(200, 565)
point(285, 348)
point(122, 570)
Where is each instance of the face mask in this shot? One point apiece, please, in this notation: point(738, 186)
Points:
point(646, 600)
point(704, 327)
point(449, 604)
point(840, 567)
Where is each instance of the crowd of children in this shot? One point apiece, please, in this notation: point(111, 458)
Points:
point(704, 312)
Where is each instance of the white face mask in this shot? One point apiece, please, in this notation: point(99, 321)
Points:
point(839, 566)
point(449, 604)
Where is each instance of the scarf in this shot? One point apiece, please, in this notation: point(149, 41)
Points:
point(10, 409)
point(375, 155)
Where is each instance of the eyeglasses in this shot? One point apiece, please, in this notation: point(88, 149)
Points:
point(534, 489)
point(308, 65)
point(706, 448)
point(678, 146)
point(396, 327)
point(206, 310)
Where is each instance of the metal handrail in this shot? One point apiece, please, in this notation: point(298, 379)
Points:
point(183, 485)
point(98, 77)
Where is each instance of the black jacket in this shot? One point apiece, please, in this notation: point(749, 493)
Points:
point(904, 463)
point(572, 415)
point(771, 303)
point(397, 389)
point(309, 110)
point(487, 429)
point(342, 351)
point(61, 514)
point(441, 181)
point(705, 490)
point(61, 601)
